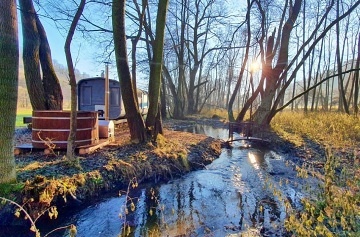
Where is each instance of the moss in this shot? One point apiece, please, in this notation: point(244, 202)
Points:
point(7, 190)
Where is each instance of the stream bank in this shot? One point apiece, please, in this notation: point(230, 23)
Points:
point(112, 167)
point(47, 180)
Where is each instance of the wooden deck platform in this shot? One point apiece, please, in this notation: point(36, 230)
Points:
point(82, 150)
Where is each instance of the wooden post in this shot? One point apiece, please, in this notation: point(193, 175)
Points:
point(107, 92)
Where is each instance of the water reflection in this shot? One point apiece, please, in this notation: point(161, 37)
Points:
point(207, 130)
point(256, 158)
point(232, 195)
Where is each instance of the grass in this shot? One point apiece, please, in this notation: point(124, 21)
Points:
point(336, 210)
point(20, 114)
point(331, 129)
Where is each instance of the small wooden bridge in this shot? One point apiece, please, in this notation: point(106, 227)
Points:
point(247, 130)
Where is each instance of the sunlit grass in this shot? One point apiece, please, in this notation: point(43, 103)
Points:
point(20, 114)
point(217, 112)
point(328, 128)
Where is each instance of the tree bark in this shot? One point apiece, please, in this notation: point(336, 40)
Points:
point(45, 92)
point(70, 153)
point(9, 71)
point(153, 120)
point(241, 74)
point(263, 112)
point(342, 97)
point(356, 90)
point(133, 115)
point(31, 46)
point(52, 88)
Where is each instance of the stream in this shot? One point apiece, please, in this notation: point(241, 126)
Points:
point(240, 194)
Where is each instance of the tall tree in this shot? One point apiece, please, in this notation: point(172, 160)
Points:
point(133, 115)
point(9, 69)
point(272, 75)
point(44, 92)
point(153, 119)
point(244, 63)
point(356, 90)
point(343, 105)
point(312, 44)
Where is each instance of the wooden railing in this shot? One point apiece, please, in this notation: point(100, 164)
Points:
point(246, 129)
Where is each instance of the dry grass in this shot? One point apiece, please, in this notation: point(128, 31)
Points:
point(335, 130)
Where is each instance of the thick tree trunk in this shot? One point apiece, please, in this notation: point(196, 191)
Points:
point(133, 115)
point(9, 70)
point(44, 93)
point(263, 114)
point(31, 46)
point(153, 120)
point(52, 88)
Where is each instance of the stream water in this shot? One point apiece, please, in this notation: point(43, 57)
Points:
point(240, 192)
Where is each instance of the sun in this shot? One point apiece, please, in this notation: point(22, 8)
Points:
point(255, 66)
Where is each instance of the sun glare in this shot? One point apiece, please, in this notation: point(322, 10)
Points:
point(255, 66)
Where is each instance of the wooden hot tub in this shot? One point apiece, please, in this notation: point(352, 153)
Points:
point(52, 127)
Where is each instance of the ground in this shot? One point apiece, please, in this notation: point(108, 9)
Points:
point(52, 179)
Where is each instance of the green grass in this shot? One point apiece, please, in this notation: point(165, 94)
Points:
point(20, 114)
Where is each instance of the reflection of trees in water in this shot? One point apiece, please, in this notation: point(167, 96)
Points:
point(241, 207)
point(146, 217)
point(229, 198)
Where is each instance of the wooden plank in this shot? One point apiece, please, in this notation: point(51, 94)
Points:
point(22, 148)
point(82, 149)
point(90, 149)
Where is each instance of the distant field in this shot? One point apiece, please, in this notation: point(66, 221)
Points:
point(20, 114)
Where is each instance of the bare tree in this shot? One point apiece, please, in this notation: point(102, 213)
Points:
point(153, 119)
point(73, 117)
point(356, 90)
point(342, 98)
point(315, 42)
point(133, 115)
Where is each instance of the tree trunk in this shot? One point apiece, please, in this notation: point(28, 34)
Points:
point(180, 100)
point(342, 98)
point(9, 71)
point(135, 40)
point(70, 153)
point(31, 46)
point(263, 114)
point(356, 90)
point(44, 93)
point(153, 117)
point(133, 115)
point(241, 74)
point(163, 98)
point(52, 88)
